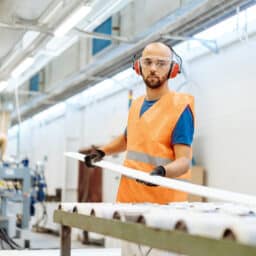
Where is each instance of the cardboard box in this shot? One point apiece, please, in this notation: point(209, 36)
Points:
point(197, 177)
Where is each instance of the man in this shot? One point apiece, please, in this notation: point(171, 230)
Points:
point(159, 131)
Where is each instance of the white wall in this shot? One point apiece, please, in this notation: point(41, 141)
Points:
point(38, 141)
point(225, 94)
point(64, 65)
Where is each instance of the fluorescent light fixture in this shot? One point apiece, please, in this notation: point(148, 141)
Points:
point(23, 66)
point(72, 20)
point(46, 17)
point(111, 8)
point(3, 85)
point(29, 38)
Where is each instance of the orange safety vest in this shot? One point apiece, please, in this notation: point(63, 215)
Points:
point(148, 145)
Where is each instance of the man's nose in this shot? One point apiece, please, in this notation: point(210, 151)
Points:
point(153, 66)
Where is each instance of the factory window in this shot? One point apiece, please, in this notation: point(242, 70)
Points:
point(34, 83)
point(99, 44)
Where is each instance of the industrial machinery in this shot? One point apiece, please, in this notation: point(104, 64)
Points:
point(38, 194)
point(22, 185)
point(17, 188)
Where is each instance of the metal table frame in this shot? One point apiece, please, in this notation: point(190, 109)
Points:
point(174, 241)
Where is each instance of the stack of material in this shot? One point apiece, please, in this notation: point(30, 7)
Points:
point(213, 220)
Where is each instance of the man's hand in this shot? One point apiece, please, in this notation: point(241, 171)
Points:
point(95, 155)
point(159, 171)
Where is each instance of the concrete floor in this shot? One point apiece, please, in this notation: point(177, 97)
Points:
point(44, 241)
point(48, 245)
point(74, 252)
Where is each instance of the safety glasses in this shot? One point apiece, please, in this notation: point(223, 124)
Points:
point(159, 62)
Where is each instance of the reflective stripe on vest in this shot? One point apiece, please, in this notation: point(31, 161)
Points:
point(145, 158)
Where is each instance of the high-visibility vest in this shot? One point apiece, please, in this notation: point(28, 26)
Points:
point(149, 145)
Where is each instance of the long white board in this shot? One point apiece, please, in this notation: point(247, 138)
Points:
point(188, 187)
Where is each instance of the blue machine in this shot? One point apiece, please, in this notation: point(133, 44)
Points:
point(39, 186)
point(23, 175)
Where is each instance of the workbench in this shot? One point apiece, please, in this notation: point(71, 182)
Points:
point(173, 240)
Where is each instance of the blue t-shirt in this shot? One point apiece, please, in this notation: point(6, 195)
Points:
point(184, 130)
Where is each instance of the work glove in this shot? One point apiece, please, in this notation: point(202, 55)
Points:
point(95, 155)
point(159, 171)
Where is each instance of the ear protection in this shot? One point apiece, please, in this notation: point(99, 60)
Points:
point(175, 67)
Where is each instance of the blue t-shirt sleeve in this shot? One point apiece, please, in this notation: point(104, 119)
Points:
point(184, 130)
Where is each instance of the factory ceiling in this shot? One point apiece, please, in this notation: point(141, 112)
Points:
point(38, 20)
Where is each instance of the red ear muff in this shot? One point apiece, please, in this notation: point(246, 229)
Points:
point(174, 70)
point(136, 67)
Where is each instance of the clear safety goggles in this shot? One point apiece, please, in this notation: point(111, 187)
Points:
point(159, 62)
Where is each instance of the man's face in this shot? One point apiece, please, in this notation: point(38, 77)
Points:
point(155, 70)
point(155, 63)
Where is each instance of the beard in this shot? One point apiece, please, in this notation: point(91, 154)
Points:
point(153, 81)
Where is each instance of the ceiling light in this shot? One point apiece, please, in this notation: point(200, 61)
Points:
point(3, 85)
point(28, 38)
point(72, 20)
point(23, 66)
point(113, 7)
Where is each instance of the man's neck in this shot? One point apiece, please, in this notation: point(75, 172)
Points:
point(155, 94)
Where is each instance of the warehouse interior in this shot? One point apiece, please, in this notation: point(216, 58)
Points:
point(67, 83)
